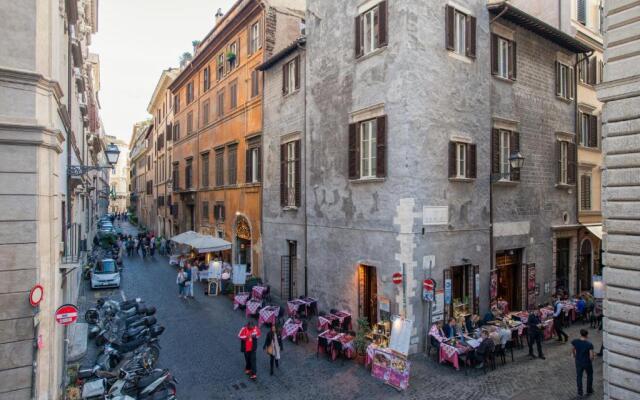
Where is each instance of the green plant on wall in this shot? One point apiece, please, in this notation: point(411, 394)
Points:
point(362, 331)
point(231, 56)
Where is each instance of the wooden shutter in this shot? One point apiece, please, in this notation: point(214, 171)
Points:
point(259, 164)
point(593, 71)
point(382, 24)
point(381, 147)
point(470, 39)
point(558, 162)
point(169, 130)
point(297, 67)
point(558, 88)
point(354, 152)
point(448, 27)
point(593, 131)
point(514, 147)
point(249, 40)
point(453, 159)
point(285, 77)
point(583, 187)
point(297, 180)
point(238, 53)
point(513, 61)
point(283, 175)
point(471, 161)
point(494, 54)
point(570, 88)
point(495, 151)
point(571, 163)
point(582, 11)
point(359, 49)
point(248, 164)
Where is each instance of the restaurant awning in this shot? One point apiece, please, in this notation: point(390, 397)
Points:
point(202, 243)
point(596, 230)
point(184, 237)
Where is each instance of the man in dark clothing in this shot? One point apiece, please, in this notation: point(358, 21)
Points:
point(583, 353)
point(486, 346)
point(557, 321)
point(534, 334)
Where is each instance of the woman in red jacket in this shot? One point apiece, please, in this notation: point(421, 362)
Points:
point(249, 335)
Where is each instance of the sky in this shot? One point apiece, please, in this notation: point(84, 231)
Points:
point(136, 41)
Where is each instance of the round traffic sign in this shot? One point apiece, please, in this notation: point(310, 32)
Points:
point(67, 314)
point(35, 295)
point(428, 285)
point(397, 278)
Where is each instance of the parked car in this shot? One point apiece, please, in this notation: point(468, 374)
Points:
point(105, 274)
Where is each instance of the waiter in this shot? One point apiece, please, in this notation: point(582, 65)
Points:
point(557, 321)
point(534, 334)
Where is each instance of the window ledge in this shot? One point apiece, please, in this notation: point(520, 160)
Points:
point(591, 149)
point(564, 99)
point(289, 94)
point(372, 54)
point(564, 186)
point(461, 179)
point(367, 180)
point(595, 213)
point(587, 85)
point(506, 182)
point(460, 57)
point(503, 79)
point(289, 208)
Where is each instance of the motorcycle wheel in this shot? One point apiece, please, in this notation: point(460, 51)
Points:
point(91, 316)
point(153, 356)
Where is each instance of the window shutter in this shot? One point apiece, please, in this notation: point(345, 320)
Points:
point(297, 173)
point(285, 78)
point(283, 175)
point(238, 53)
point(471, 36)
point(453, 159)
point(297, 77)
point(359, 36)
point(259, 164)
point(382, 24)
point(449, 14)
point(249, 40)
point(381, 147)
point(593, 131)
point(570, 89)
point(558, 162)
point(587, 192)
point(514, 147)
point(582, 11)
point(571, 163)
point(583, 197)
point(169, 130)
point(494, 54)
point(513, 60)
point(248, 163)
point(471, 161)
point(354, 153)
point(593, 71)
point(495, 151)
point(558, 88)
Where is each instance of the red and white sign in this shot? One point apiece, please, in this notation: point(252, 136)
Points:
point(428, 285)
point(35, 295)
point(67, 314)
point(397, 278)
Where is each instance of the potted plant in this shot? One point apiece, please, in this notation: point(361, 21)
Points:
point(231, 56)
point(360, 340)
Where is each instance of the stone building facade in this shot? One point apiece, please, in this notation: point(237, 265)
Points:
point(141, 193)
point(621, 179)
point(49, 121)
point(216, 170)
point(119, 178)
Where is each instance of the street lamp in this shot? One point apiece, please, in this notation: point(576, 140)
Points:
point(112, 152)
point(516, 162)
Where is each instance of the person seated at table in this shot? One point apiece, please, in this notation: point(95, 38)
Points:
point(494, 334)
point(505, 333)
point(486, 346)
point(492, 315)
point(437, 332)
point(461, 326)
point(450, 330)
point(472, 323)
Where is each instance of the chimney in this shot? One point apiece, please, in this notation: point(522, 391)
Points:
point(219, 15)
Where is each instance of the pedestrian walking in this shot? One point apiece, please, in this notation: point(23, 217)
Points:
point(249, 335)
point(273, 346)
point(534, 333)
point(180, 281)
point(163, 246)
point(190, 273)
point(152, 245)
point(557, 321)
point(136, 242)
point(583, 353)
point(144, 246)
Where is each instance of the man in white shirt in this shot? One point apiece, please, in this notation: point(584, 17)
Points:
point(557, 321)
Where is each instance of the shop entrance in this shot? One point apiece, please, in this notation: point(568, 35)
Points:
point(368, 293)
point(243, 243)
point(585, 262)
point(562, 264)
point(464, 298)
point(509, 277)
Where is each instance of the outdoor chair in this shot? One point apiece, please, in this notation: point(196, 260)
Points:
point(433, 344)
point(333, 311)
point(302, 333)
point(322, 345)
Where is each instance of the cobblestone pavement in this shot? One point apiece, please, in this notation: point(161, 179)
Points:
point(201, 348)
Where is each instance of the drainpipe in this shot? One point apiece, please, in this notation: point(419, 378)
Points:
point(304, 142)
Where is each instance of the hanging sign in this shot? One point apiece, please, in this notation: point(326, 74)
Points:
point(67, 314)
point(35, 295)
point(396, 278)
point(447, 291)
point(437, 307)
point(428, 287)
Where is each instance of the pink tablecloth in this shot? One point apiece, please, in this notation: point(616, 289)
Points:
point(450, 354)
point(341, 317)
point(258, 291)
point(268, 315)
point(324, 322)
point(293, 306)
point(253, 307)
point(240, 299)
point(291, 328)
point(503, 306)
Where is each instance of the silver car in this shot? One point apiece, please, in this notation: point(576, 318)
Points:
point(105, 274)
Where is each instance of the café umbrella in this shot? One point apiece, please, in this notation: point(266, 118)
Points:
point(202, 243)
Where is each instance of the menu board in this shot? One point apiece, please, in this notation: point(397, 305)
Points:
point(239, 274)
point(391, 368)
point(400, 335)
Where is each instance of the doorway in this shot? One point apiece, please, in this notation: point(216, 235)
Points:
point(585, 266)
point(243, 243)
point(509, 276)
point(289, 268)
point(368, 293)
point(190, 217)
point(562, 264)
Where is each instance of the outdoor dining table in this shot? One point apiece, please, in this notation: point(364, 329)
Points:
point(268, 315)
point(252, 307)
point(325, 321)
point(293, 306)
point(346, 341)
point(291, 328)
point(342, 315)
point(450, 353)
point(240, 299)
point(257, 292)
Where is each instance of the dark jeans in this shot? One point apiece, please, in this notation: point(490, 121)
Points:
point(250, 361)
point(537, 338)
point(579, 370)
point(557, 326)
point(273, 359)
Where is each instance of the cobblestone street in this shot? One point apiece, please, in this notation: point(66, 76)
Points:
point(201, 348)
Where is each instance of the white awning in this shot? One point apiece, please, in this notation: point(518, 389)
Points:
point(202, 243)
point(596, 230)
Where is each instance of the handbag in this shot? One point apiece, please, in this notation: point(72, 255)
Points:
point(270, 349)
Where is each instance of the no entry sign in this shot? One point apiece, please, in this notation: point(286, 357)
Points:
point(67, 314)
point(397, 278)
point(428, 285)
point(35, 295)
